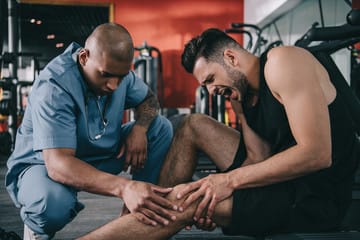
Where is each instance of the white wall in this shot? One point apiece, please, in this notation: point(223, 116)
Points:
point(295, 18)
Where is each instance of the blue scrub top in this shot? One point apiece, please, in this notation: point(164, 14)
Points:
point(63, 113)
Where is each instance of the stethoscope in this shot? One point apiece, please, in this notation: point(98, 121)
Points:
point(102, 114)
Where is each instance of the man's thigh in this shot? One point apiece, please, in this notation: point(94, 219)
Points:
point(44, 200)
point(34, 181)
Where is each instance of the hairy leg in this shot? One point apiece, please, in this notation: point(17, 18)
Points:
point(198, 132)
point(128, 227)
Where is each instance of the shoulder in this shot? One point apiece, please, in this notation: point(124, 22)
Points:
point(288, 55)
point(65, 62)
point(288, 64)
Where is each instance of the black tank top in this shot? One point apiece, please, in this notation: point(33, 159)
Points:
point(268, 119)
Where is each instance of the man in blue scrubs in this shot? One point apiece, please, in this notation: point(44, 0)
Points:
point(72, 137)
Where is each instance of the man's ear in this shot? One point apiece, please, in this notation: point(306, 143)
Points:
point(83, 56)
point(230, 57)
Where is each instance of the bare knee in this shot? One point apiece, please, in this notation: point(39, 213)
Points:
point(193, 121)
point(194, 125)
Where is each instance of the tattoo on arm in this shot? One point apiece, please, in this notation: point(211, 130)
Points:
point(147, 110)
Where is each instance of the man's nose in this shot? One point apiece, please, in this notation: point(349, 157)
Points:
point(113, 83)
point(211, 89)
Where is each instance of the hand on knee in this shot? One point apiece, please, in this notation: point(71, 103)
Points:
point(187, 214)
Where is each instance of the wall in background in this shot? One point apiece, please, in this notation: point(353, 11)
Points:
point(299, 19)
point(168, 25)
point(261, 12)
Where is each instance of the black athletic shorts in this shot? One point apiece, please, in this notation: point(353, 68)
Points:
point(278, 208)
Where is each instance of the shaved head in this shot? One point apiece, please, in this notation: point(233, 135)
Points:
point(111, 40)
point(106, 58)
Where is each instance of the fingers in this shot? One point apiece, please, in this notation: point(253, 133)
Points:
point(136, 160)
point(121, 152)
point(187, 189)
point(202, 205)
point(156, 207)
point(137, 163)
point(153, 214)
point(161, 190)
point(159, 214)
point(205, 224)
point(165, 203)
point(145, 219)
point(198, 190)
point(192, 197)
point(134, 163)
point(127, 160)
point(211, 207)
point(142, 160)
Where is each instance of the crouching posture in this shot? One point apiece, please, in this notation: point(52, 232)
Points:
point(72, 137)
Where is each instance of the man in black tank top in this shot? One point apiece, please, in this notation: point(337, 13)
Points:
point(291, 165)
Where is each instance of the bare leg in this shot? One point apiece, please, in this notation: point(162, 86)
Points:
point(128, 227)
point(198, 132)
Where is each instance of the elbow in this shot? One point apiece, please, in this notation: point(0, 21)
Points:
point(53, 171)
point(323, 158)
point(325, 162)
point(53, 174)
point(59, 164)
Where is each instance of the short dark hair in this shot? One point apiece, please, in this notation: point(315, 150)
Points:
point(210, 45)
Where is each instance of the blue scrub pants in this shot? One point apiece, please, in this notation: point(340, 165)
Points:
point(47, 206)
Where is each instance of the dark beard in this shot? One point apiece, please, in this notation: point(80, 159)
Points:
point(240, 82)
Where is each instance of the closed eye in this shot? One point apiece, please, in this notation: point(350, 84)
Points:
point(209, 79)
point(110, 75)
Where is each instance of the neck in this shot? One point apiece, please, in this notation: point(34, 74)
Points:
point(254, 75)
point(251, 98)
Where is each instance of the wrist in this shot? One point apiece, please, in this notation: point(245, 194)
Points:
point(231, 179)
point(119, 186)
point(139, 127)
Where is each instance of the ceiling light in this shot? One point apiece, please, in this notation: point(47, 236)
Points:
point(50, 36)
point(33, 20)
point(59, 45)
point(38, 22)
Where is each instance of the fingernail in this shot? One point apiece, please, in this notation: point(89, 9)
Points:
point(166, 222)
point(173, 218)
point(178, 196)
point(181, 209)
point(175, 208)
point(195, 219)
point(154, 223)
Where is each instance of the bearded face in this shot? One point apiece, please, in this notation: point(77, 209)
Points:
point(221, 79)
point(239, 83)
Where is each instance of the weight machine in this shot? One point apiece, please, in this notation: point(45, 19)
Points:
point(149, 67)
point(12, 90)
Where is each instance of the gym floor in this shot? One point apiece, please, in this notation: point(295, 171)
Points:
point(98, 211)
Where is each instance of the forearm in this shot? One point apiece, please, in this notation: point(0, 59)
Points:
point(256, 148)
point(147, 111)
point(73, 172)
point(289, 164)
